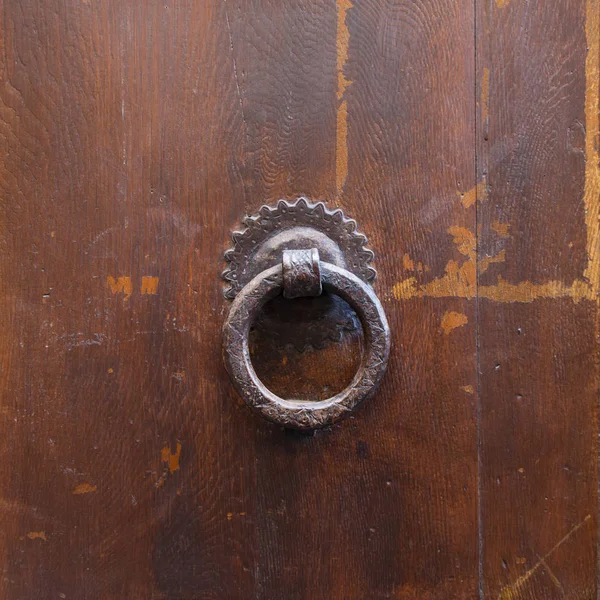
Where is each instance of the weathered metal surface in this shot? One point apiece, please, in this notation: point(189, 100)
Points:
point(301, 414)
point(301, 273)
point(290, 225)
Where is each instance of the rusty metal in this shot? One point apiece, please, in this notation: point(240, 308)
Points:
point(290, 225)
point(302, 271)
point(305, 323)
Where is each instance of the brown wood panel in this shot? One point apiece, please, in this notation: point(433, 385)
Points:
point(537, 215)
point(136, 137)
point(122, 126)
point(462, 136)
point(410, 144)
point(358, 511)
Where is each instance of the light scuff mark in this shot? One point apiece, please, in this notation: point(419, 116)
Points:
point(518, 589)
point(84, 488)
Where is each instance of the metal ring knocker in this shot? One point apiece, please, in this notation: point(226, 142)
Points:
point(301, 273)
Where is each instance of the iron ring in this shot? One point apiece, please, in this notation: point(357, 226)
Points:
point(304, 414)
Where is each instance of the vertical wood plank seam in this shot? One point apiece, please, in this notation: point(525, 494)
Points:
point(477, 348)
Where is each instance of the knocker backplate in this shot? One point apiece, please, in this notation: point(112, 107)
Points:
point(305, 322)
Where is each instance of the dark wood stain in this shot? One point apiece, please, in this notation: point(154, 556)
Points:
point(134, 137)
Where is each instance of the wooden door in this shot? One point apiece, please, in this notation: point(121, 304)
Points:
point(464, 139)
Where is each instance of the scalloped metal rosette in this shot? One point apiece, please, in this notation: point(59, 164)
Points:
point(290, 225)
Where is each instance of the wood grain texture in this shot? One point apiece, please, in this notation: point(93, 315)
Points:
point(461, 136)
point(538, 361)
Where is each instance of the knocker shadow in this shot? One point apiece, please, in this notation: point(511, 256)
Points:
point(306, 348)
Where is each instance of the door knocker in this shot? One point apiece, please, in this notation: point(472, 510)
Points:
point(299, 249)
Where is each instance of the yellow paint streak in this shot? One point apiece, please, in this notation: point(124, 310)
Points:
point(171, 459)
point(479, 192)
point(451, 320)
point(526, 291)
point(37, 535)
point(122, 284)
point(485, 95)
point(149, 285)
point(502, 3)
point(453, 285)
point(84, 488)
point(591, 195)
point(469, 389)
point(342, 43)
point(341, 146)
point(515, 591)
point(341, 153)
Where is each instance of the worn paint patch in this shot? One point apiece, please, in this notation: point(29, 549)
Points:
point(120, 285)
point(84, 488)
point(37, 535)
point(486, 261)
point(149, 285)
point(500, 228)
point(171, 459)
point(476, 193)
point(460, 280)
point(515, 590)
point(341, 146)
point(591, 194)
point(469, 389)
point(409, 265)
point(502, 3)
point(451, 320)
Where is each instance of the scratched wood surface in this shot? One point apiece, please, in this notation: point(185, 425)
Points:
point(464, 139)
